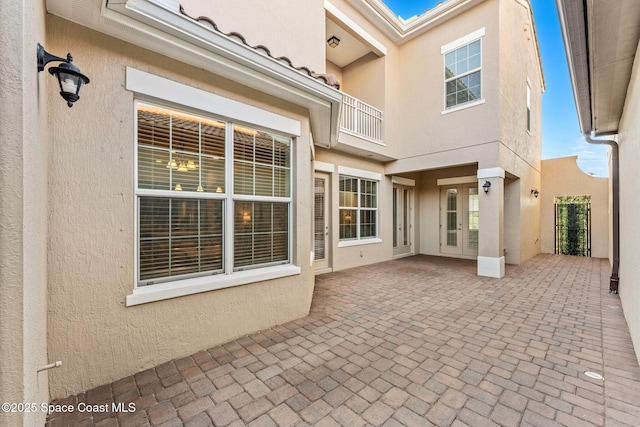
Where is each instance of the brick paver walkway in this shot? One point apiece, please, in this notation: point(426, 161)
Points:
point(418, 341)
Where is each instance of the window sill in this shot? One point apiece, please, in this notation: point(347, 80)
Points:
point(347, 243)
point(463, 106)
point(151, 293)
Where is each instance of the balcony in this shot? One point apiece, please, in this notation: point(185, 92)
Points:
point(361, 120)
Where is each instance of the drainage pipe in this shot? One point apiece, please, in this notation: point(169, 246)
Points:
point(615, 190)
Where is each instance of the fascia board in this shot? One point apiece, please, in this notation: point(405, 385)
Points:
point(574, 37)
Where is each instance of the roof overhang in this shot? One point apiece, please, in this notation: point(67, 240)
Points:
point(159, 26)
point(601, 38)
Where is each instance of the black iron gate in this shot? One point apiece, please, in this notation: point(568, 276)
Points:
point(573, 228)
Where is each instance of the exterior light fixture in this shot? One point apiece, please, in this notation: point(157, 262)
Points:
point(333, 41)
point(69, 77)
point(486, 186)
point(535, 193)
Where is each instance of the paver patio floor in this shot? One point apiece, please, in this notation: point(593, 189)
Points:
point(417, 341)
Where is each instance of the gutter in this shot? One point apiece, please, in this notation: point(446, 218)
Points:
point(615, 189)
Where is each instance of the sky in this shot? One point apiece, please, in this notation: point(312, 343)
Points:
point(561, 135)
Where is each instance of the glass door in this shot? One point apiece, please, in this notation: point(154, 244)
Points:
point(321, 222)
point(459, 213)
point(402, 220)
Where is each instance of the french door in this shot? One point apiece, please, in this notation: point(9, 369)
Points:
point(459, 212)
point(321, 221)
point(402, 224)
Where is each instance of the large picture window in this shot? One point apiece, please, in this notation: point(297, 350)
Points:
point(358, 208)
point(462, 74)
point(212, 197)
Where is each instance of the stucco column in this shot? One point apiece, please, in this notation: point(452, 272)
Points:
point(491, 223)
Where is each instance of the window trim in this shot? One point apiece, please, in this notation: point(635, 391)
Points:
point(155, 90)
point(456, 44)
point(360, 174)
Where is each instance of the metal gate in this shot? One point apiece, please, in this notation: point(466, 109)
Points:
point(573, 228)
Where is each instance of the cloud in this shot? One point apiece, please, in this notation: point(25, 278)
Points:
point(592, 158)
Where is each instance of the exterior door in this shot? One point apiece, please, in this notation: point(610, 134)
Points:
point(459, 220)
point(402, 224)
point(321, 222)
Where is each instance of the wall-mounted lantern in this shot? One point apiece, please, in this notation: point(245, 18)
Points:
point(535, 193)
point(486, 187)
point(69, 77)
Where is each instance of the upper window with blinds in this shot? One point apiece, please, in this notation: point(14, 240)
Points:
point(462, 74)
point(212, 197)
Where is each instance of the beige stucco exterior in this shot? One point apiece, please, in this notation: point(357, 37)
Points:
point(563, 177)
point(629, 154)
point(91, 263)
point(71, 210)
point(23, 206)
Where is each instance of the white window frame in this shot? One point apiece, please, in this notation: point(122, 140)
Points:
point(456, 44)
point(152, 89)
point(360, 175)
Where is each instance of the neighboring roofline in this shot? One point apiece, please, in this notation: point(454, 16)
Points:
point(159, 25)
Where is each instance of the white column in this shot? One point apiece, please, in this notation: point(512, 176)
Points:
point(491, 227)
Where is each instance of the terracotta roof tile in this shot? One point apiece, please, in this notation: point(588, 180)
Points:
point(329, 79)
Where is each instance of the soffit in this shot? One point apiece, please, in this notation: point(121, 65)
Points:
point(601, 44)
point(613, 34)
point(348, 50)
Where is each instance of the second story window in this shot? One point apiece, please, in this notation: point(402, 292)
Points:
point(463, 70)
point(462, 74)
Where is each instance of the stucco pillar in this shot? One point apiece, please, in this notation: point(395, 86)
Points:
point(23, 209)
point(491, 223)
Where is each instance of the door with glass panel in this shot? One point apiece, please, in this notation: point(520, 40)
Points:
point(321, 221)
point(402, 224)
point(459, 220)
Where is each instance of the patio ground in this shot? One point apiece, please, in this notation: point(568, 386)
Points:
point(414, 341)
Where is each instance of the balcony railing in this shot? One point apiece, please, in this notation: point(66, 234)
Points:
point(361, 119)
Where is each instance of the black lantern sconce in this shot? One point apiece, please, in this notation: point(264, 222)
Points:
point(69, 77)
point(535, 193)
point(486, 187)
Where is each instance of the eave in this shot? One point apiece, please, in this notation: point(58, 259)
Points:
point(158, 25)
point(600, 42)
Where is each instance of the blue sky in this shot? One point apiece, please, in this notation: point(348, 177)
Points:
point(561, 135)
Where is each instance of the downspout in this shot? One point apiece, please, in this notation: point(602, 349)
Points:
point(615, 189)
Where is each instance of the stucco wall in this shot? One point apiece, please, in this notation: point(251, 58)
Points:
point(353, 256)
point(522, 208)
point(23, 206)
point(92, 238)
point(420, 102)
point(517, 41)
point(295, 29)
point(520, 149)
point(629, 152)
point(428, 201)
point(563, 177)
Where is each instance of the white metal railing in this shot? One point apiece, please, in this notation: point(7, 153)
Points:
point(360, 118)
